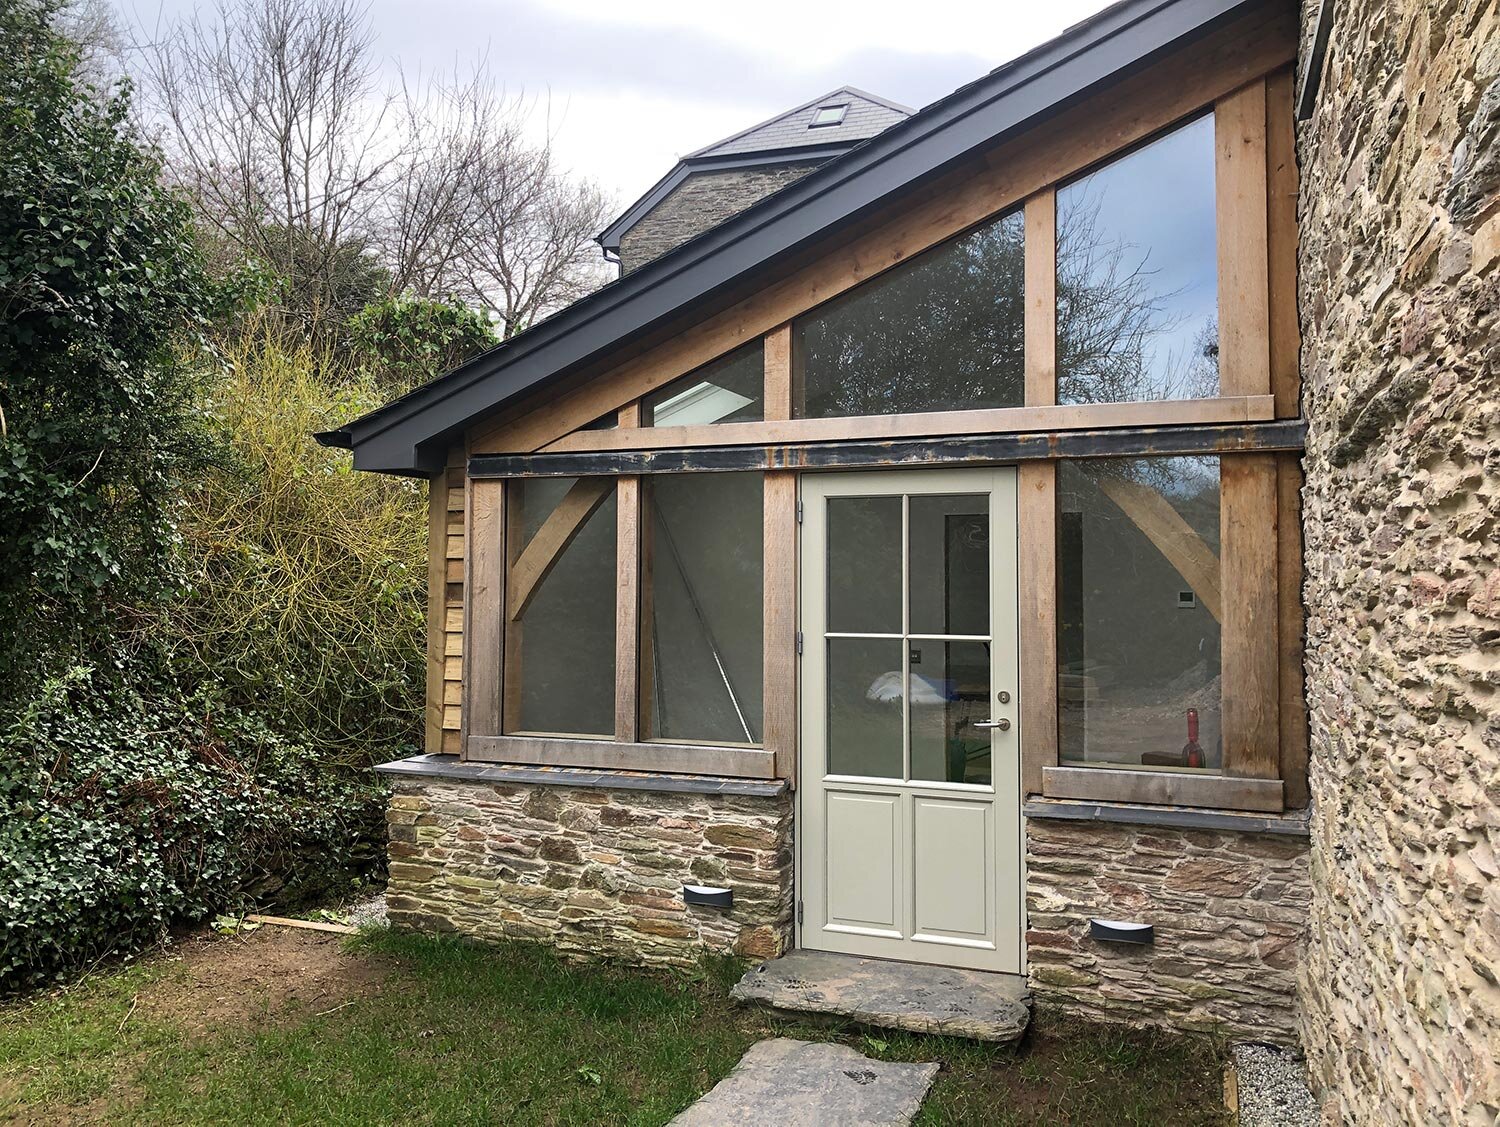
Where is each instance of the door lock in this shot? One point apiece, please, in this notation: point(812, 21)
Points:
point(1003, 724)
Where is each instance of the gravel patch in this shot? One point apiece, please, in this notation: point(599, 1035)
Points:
point(369, 912)
point(1271, 1087)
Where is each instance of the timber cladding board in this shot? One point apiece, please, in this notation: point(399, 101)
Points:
point(1133, 110)
point(445, 609)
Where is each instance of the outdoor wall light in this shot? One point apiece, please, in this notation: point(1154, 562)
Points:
point(702, 896)
point(1119, 931)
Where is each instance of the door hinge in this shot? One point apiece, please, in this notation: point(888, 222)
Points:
point(799, 913)
point(799, 642)
point(799, 512)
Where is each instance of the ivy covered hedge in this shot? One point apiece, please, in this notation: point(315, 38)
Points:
point(127, 807)
point(160, 761)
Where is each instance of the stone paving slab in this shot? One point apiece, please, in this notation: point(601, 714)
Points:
point(891, 995)
point(787, 1083)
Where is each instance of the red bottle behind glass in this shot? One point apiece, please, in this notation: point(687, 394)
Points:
point(1192, 753)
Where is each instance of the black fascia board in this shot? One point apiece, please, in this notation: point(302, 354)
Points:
point(610, 237)
point(410, 434)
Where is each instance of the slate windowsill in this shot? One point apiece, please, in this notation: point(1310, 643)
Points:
point(451, 768)
point(1292, 824)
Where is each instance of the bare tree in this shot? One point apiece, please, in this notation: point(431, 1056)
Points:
point(273, 115)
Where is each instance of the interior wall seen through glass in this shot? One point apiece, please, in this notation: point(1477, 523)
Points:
point(561, 650)
point(1137, 275)
point(730, 389)
point(1138, 608)
point(941, 332)
point(702, 657)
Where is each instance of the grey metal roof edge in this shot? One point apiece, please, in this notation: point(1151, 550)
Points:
point(610, 237)
point(406, 435)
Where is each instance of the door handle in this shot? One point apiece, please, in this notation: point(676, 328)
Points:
point(1003, 724)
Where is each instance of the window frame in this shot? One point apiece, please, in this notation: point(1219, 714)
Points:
point(1255, 190)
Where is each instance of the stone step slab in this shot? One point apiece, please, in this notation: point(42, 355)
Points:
point(908, 996)
point(787, 1083)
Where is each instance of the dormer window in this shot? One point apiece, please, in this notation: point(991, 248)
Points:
point(828, 115)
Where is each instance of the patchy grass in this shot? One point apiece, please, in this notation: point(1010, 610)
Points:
point(287, 1026)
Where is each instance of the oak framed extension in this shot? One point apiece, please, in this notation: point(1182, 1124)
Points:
point(1239, 73)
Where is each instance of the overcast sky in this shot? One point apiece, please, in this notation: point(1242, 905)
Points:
point(626, 88)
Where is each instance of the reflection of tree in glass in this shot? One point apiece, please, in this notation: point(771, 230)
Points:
point(942, 332)
point(1113, 318)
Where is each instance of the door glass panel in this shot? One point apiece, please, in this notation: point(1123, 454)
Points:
point(950, 692)
point(950, 564)
point(864, 706)
point(864, 565)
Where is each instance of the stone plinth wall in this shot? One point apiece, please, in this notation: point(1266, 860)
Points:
point(596, 872)
point(1228, 910)
point(1400, 299)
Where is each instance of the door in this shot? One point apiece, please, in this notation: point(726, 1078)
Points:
point(909, 814)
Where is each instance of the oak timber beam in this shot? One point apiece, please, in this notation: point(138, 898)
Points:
point(974, 450)
point(559, 530)
point(1172, 536)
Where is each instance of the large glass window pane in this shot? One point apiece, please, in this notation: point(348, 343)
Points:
point(864, 565)
point(730, 389)
point(1137, 275)
point(560, 640)
point(950, 693)
point(941, 332)
point(864, 707)
point(701, 657)
point(950, 564)
point(1138, 613)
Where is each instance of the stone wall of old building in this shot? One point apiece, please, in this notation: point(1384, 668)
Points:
point(703, 200)
point(1227, 908)
point(1399, 284)
point(593, 871)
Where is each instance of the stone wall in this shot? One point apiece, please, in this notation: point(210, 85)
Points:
point(1400, 282)
point(1228, 910)
point(596, 872)
point(703, 200)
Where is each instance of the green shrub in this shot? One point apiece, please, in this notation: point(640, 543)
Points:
point(406, 341)
point(127, 806)
point(307, 581)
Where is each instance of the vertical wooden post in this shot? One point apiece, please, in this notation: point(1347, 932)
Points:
point(1281, 237)
point(1037, 578)
point(484, 606)
point(1036, 515)
point(779, 677)
point(1041, 299)
point(1240, 218)
point(778, 385)
point(437, 598)
point(627, 607)
point(1289, 630)
point(511, 718)
point(1251, 610)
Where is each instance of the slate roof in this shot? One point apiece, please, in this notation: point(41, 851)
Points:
point(786, 138)
point(866, 116)
point(411, 435)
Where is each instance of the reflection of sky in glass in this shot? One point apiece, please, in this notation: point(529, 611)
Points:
point(1137, 274)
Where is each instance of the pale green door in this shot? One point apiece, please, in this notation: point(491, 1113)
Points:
point(908, 800)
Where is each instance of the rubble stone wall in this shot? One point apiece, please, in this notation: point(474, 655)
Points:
point(1227, 908)
point(593, 872)
point(703, 200)
point(1399, 290)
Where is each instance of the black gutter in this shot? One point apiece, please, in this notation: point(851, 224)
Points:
point(410, 435)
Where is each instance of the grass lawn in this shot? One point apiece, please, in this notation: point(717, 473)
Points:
point(301, 1027)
